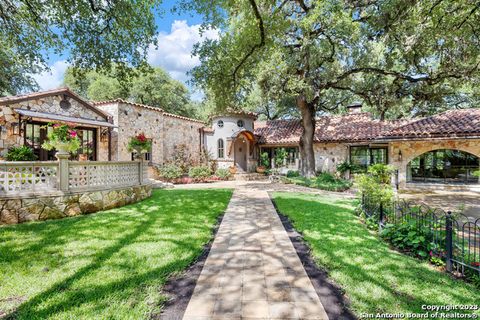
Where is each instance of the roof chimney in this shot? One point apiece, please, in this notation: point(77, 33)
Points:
point(355, 107)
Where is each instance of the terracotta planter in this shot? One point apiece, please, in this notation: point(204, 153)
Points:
point(83, 157)
point(261, 169)
point(232, 169)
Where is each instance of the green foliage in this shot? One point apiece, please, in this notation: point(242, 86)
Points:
point(139, 143)
point(101, 33)
point(62, 136)
point(199, 172)
point(223, 174)
point(264, 159)
point(280, 156)
point(293, 174)
point(324, 181)
point(375, 278)
point(375, 184)
point(21, 153)
point(112, 272)
point(476, 173)
point(346, 166)
point(410, 237)
point(146, 85)
point(169, 171)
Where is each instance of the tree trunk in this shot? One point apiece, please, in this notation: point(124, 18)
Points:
point(307, 110)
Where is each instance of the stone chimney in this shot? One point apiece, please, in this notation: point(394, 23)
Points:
point(355, 107)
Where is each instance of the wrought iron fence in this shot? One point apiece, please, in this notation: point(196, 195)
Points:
point(455, 237)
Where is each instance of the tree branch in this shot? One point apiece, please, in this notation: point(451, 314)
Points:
point(256, 46)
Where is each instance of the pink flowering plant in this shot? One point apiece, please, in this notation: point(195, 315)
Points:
point(62, 136)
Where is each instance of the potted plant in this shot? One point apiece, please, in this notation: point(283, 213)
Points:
point(62, 137)
point(139, 144)
point(232, 169)
point(264, 162)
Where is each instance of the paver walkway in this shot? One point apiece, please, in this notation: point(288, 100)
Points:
point(252, 270)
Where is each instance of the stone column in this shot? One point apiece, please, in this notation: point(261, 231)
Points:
point(62, 174)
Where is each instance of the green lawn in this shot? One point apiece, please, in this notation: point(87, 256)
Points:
point(375, 278)
point(109, 265)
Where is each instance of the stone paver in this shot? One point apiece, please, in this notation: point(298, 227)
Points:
point(253, 270)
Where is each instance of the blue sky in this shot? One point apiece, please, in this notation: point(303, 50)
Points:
point(177, 35)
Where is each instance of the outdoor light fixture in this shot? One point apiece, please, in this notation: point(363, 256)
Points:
point(399, 155)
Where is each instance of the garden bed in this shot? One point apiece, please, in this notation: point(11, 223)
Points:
point(323, 181)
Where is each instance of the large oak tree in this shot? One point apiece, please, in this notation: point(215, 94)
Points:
point(323, 53)
point(93, 33)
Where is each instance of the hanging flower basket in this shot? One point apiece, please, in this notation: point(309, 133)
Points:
point(62, 137)
point(139, 144)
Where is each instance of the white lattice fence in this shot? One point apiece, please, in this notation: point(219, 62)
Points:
point(100, 175)
point(24, 177)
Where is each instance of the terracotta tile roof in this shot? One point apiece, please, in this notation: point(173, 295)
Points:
point(118, 100)
point(464, 122)
point(182, 117)
point(361, 127)
point(278, 131)
point(96, 103)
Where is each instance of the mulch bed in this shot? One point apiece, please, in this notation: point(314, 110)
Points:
point(330, 294)
point(179, 289)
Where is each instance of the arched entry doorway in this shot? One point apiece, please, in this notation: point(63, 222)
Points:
point(240, 153)
point(448, 166)
point(243, 146)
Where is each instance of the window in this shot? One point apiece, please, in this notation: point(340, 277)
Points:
point(444, 166)
point(220, 148)
point(220, 123)
point(240, 123)
point(364, 156)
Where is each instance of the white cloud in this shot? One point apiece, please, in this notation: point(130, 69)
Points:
point(174, 51)
point(53, 78)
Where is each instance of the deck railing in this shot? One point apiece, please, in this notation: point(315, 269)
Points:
point(18, 178)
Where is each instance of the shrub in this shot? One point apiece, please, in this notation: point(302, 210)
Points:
point(21, 153)
point(476, 173)
point(170, 171)
point(293, 174)
point(346, 166)
point(375, 184)
point(280, 156)
point(223, 174)
point(199, 172)
point(264, 160)
point(410, 237)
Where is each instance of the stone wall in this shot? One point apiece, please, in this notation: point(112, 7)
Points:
point(49, 104)
point(133, 119)
point(329, 155)
point(19, 210)
point(181, 131)
point(412, 149)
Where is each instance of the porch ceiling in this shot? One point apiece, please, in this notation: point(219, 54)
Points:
point(57, 117)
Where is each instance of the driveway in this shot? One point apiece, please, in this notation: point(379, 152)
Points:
point(467, 202)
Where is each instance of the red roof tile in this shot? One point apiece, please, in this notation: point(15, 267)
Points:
point(450, 123)
point(361, 127)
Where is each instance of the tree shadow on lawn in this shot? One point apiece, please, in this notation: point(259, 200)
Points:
point(375, 278)
point(126, 264)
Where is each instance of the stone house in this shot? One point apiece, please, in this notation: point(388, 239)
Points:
point(442, 149)
point(104, 128)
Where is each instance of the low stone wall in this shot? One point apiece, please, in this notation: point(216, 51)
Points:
point(57, 206)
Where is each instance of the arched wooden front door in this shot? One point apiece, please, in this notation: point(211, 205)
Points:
point(240, 153)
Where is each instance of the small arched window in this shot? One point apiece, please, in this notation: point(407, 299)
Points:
point(220, 148)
